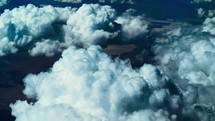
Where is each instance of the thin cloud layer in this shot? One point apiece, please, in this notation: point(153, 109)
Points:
point(198, 1)
point(22, 29)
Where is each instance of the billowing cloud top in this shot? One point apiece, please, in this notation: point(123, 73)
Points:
point(107, 90)
point(3, 2)
point(88, 85)
point(22, 28)
point(186, 55)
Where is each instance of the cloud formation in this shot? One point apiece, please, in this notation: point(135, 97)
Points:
point(22, 29)
point(186, 55)
point(192, 53)
point(3, 2)
point(69, 1)
point(132, 26)
point(88, 85)
point(101, 1)
point(118, 1)
point(198, 1)
point(107, 90)
point(208, 25)
point(207, 14)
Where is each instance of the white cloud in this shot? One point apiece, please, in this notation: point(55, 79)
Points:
point(46, 47)
point(7, 47)
point(87, 25)
point(118, 1)
point(188, 59)
point(23, 26)
point(208, 25)
point(193, 55)
point(3, 2)
point(198, 1)
point(69, 1)
point(87, 85)
point(200, 12)
point(101, 1)
point(90, 24)
point(132, 26)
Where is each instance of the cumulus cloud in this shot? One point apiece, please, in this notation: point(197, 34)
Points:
point(193, 54)
point(90, 25)
point(47, 47)
point(132, 26)
point(186, 55)
point(22, 28)
point(200, 12)
point(207, 14)
point(208, 25)
point(86, 85)
point(3, 2)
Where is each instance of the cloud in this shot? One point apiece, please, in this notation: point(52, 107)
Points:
point(207, 14)
point(69, 1)
point(200, 12)
point(90, 24)
point(101, 1)
point(86, 85)
point(192, 53)
point(132, 26)
point(117, 1)
point(22, 28)
point(47, 47)
point(3, 2)
point(208, 25)
point(198, 1)
point(186, 55)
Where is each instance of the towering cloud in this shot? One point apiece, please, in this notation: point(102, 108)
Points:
point(22, 28)
point(86, 85)
point(132, 26)
point(187, 56)
point(90, 24)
